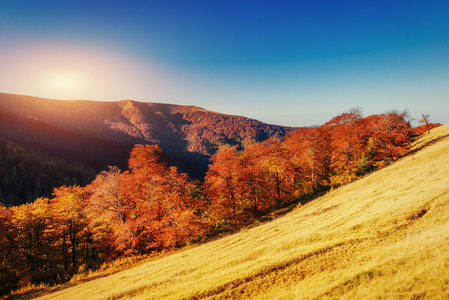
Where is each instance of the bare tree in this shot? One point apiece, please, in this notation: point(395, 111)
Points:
point(425, 120)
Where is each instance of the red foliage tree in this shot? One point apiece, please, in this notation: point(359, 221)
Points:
point(243, 185)
point(110, 210)
point(279, 173)
point(224, 188)
point(309, 151)
point(392, 132)
point(251, 176)
point(349, 136)
point(149, 207)
point(165, 219)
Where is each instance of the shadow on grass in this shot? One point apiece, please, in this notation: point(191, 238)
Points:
point(427, 144)
point(288, 207)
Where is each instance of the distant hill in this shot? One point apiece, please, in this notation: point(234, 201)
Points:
point(100, 133)
point(382, 237)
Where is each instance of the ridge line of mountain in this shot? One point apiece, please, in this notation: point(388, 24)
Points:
point(188, 135)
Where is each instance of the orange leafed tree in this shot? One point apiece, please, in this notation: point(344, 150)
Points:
point(243, 185)
point(110, 210)
point(224, 188)
point(70, 220)
point(32, 239)
point(148, 207)
point(167, 218)
point(279, 173)
point(349, 135)
point(255, 187)
point(8, 259)
point(392, 132)
point(309, 151)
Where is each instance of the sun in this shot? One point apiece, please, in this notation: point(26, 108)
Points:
point(62, 84)
point(63, 81)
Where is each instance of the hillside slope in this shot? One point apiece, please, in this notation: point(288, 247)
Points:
point(384, 236)
point(102, 133)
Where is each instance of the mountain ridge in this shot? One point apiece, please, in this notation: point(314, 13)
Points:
point(102, 133)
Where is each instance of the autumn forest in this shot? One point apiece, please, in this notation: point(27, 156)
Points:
point(152, 207)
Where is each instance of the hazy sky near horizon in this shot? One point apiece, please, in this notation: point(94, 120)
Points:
point(291, 63)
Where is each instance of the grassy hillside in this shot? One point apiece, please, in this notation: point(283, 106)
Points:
point(384, 236)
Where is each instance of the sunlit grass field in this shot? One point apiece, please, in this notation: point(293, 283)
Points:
point(385, 236)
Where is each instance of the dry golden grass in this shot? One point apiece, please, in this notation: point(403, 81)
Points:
point(385, 236)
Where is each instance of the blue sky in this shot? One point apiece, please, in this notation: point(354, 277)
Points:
point(284, 62)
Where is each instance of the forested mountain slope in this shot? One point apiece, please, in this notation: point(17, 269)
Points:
point(383, 236)
point(27, 174)
point(99, 133)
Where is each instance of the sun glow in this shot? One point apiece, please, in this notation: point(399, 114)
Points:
point(70, 72)
point(65, 84)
